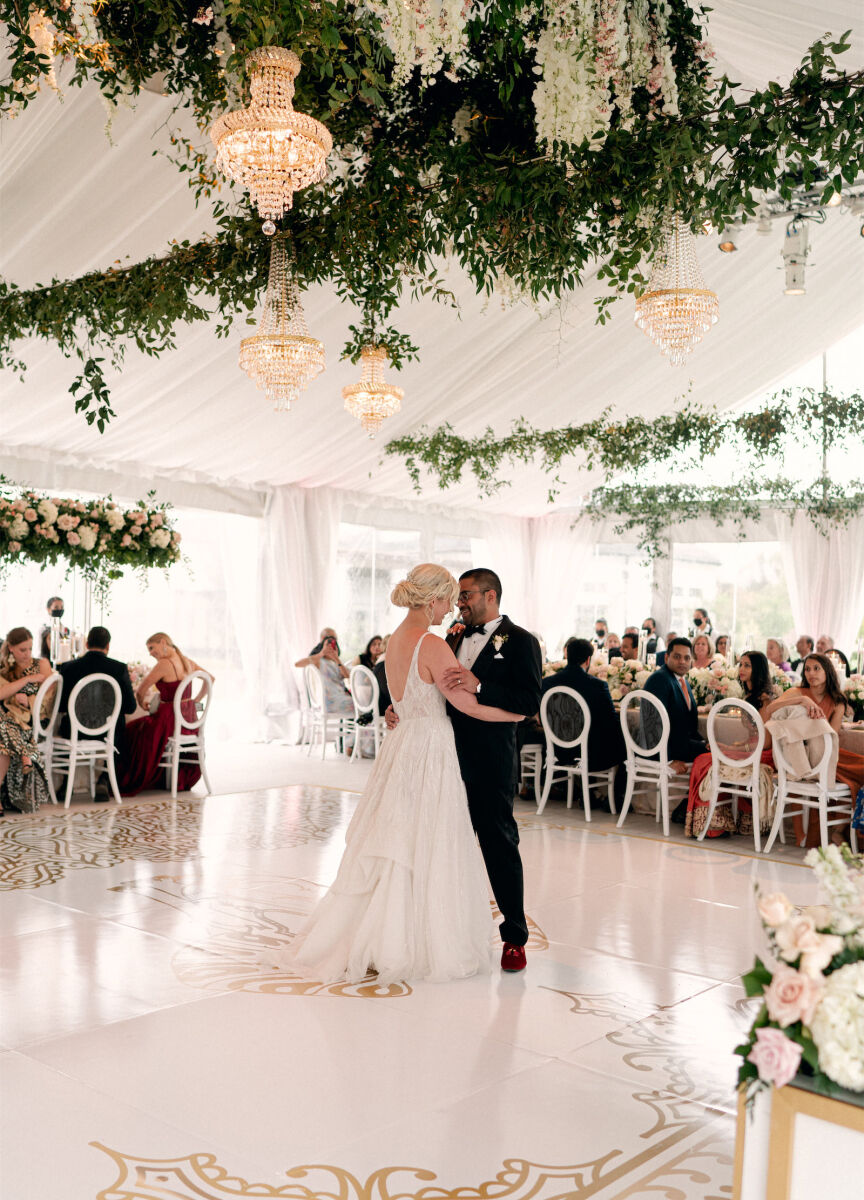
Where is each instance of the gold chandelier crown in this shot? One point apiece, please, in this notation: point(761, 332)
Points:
point(281, 358)
point(269, 148)
point(372, 400)
point(676, 310)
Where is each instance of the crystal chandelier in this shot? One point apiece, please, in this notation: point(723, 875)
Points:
point(676, 309)
point(372, 400)
point(281, 358)
point(269, 148)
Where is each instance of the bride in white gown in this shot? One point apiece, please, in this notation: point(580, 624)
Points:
point(410, 900)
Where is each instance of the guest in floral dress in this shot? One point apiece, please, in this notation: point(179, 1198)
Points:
point(23, 785)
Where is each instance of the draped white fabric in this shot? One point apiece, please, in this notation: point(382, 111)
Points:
point(563, 547)
point(825, 575)
point(300, 530)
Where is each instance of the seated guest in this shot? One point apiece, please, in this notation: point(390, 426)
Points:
point(777, 654)
point(369, 657)
point(633, 629)
point(630, 647)
point(703, 651)
point(605, 739)
point(824, 643)
point(601, 628)
point(671, 688)
point(804, 646)
point(333, 675)
point(313, 658)
point(655, 643)
point(722, 646)
point(755, 678)
point(821, 696)
point(23, 784)
point(148, 736)
point(96, 661)
point(613, 645)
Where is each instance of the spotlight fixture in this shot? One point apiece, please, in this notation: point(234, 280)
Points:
point(727, 244)
point(795, 256)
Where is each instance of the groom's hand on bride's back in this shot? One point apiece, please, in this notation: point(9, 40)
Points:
point(390, 718)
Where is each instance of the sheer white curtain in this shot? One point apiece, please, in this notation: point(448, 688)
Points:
point(507, 544)
point(563, 548)
point(298, 543)
point(825, 576)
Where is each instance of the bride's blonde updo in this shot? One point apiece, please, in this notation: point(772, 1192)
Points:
point(424, 584)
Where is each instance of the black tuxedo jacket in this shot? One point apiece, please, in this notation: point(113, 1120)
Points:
point(605, 739)
point(511, 679)
point(685, 741)
point(96, 663)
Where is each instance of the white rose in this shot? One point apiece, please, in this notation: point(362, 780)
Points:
point(616, 693)
point(114, 518)
point(48, 511)
point(87, 534)
point(774, 909)
point(19, 529)
point(838, 1027)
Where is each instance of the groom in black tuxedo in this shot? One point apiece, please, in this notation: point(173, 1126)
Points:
point(500, 664)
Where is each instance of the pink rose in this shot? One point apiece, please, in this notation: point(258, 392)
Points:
point(125, 540)
point(816, 958)
point(29, 514)
point(14, 547)
point(774, 909)
point(72, 538)
point(157, 519)
point(792, 996)
point(775, 1056)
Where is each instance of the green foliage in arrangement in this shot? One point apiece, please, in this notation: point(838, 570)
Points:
point(623, 449)
point(421, 173)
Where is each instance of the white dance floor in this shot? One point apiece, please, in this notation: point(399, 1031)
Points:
point(147, 1052)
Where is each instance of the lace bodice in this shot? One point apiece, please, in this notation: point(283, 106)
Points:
point(420, 701)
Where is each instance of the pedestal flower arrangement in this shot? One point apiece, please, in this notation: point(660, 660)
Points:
point(812, 1016)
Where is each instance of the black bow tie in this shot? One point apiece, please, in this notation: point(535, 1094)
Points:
point(470, 630)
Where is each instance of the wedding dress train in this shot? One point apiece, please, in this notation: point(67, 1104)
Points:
point(410, 899)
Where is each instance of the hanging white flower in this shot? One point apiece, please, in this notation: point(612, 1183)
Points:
point(423, 33)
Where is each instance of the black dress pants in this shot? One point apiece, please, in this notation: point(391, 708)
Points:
point(490, 804)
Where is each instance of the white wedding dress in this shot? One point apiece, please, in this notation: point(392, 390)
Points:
point(410, 899)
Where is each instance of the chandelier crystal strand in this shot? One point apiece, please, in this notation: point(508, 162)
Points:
point(281, 358)
point(676, 310)
point(268, 148)
point(372, 400)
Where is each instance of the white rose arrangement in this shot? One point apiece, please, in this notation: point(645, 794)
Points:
point(99, 537)
point(812, 1016)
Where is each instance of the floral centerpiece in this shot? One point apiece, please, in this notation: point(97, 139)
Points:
point(621, 676)
point(854, 692)
point(812, 1016)
point(781, 679)
point(715, 682)
point(137, 673)
point(99, 537)
point(552, 668)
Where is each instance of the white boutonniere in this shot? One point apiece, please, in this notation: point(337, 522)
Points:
point(498, 641)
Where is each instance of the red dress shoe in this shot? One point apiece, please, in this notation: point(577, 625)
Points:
point(512, 957)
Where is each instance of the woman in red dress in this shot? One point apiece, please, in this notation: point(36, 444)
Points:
point(148, 736)
point(754, 677)
point(822, 696)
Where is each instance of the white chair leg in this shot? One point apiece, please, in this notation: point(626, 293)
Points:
point(569, 789)
point(853, 833)
point(92, 779)
point(49, 776)
point(628, 794)
point(823, 819)
point(547, 783)
point(777, 827)
point(70, 779)
point(112, 775)
point(538, 768)
point(664, 804)
point(610, 789)
point(586, 790)
point(175, 769)
point(757, 818)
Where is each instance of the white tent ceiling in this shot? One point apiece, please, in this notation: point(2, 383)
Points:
point(71, 202)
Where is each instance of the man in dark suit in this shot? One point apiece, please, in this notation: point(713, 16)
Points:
point(499, 662)
point(671, 688)
point(97, 662)
point(605, 740)
point(804, 646)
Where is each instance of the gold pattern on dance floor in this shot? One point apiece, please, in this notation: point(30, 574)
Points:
point(238, 930)
point(42, 849)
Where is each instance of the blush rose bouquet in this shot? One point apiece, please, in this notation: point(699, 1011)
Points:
point(811, 1020)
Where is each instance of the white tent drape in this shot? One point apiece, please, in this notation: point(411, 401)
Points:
point(298, 550)
point(509, 548)
point(563, 548)
point(825, 576)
